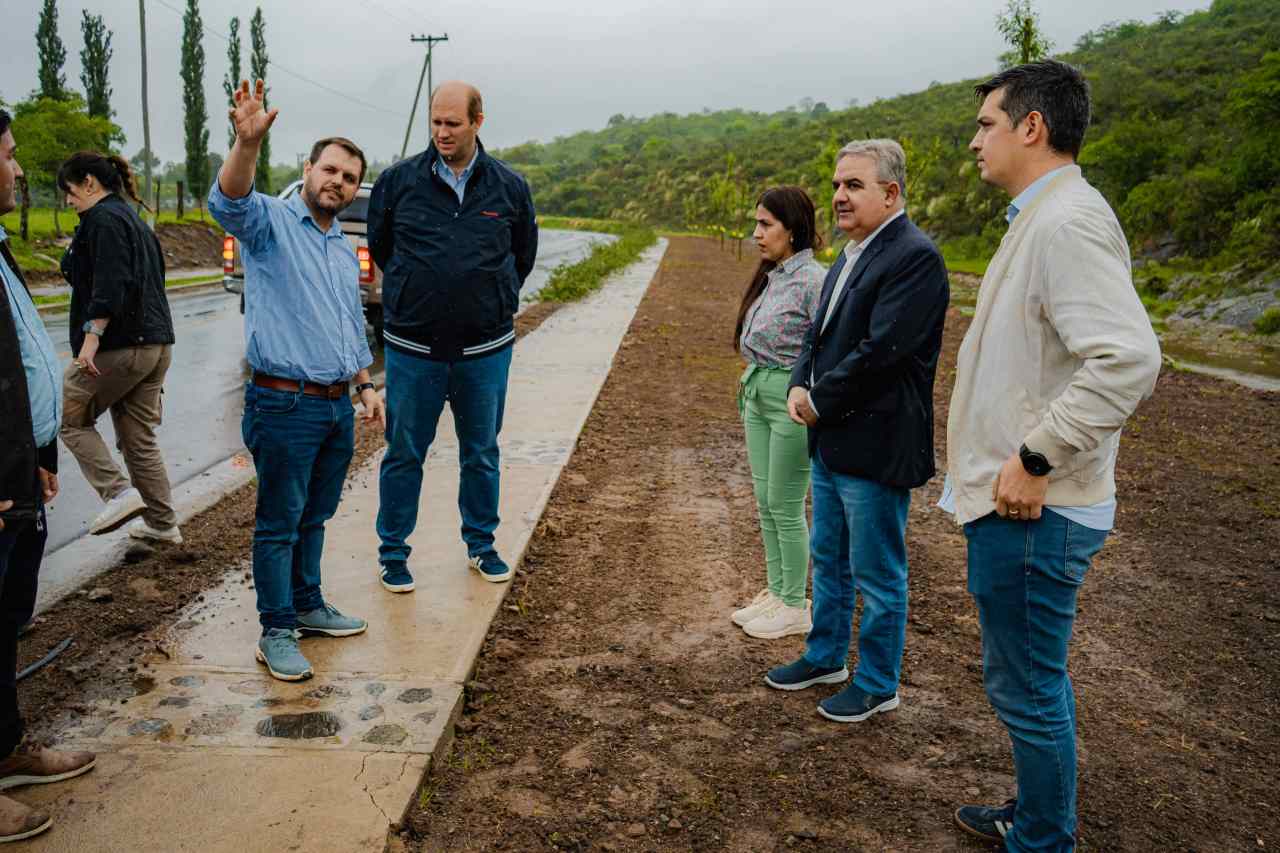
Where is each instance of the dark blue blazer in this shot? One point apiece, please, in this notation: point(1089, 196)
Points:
point(874, 364)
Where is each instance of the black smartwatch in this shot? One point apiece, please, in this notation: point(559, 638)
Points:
point(363, 385)
point(1035, 464)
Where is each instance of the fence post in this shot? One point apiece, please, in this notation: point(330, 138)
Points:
point(157, 203)
point(180, 200)
point(24, 217)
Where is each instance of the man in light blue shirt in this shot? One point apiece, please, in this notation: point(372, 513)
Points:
point(305, 338)
point(39, 358)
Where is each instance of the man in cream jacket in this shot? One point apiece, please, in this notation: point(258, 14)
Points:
point(1059, 354)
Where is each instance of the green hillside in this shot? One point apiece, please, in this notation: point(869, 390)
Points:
point(1185, 144)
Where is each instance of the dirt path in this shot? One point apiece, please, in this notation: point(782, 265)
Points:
point(616, 707)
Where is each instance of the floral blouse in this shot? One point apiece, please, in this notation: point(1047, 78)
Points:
point(777, 322)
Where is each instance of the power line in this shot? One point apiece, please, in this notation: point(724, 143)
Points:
point(390, 14)
point(273, 64)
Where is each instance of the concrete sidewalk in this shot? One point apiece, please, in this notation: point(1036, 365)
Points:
point(214, 755)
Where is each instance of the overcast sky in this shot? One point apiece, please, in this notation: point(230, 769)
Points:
point(546, 69)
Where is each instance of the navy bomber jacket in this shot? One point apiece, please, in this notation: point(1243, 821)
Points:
point(451, 273)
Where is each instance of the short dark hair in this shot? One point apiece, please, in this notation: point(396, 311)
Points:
point(343, 143)
point(1056, 90)
point(5, 120)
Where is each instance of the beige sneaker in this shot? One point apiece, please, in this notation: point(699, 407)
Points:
point(779, 620)
point(755, 608)
point(139, 529)
point(124, 507)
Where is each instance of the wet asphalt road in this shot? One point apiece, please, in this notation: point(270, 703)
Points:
point(204, 391)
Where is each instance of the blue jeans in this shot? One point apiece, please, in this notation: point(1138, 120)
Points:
point(417, 389)
point(1024, 576)
point(21, 550)
point(859, 546)
point(301, 447)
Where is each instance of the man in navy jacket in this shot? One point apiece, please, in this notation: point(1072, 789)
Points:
point(864, 386)
point(454, 233)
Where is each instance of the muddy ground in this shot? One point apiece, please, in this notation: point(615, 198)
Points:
point(115, 618)
point(617, 708)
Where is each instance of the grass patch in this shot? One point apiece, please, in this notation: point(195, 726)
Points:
point(973, 266)
point(573, 223)
point(570, 282)
point(1268, 323)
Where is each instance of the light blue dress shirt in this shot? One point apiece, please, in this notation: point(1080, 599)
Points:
point(1099, 516)
point(302, 314)
point(39, 358)
point(457, 182)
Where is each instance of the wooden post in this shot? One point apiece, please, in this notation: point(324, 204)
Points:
point(180, 200)
point(156, 206)
point(24, 217)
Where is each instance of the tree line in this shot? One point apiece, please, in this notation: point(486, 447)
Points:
point(1185, 144)
point(55, 120)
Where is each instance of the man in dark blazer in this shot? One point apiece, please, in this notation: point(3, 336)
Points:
point(864, 387)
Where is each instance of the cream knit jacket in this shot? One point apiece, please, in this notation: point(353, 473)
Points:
point(1059, 353)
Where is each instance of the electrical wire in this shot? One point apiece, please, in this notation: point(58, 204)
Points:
point(273, 64)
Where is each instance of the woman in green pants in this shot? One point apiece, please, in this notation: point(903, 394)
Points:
point(773, 319)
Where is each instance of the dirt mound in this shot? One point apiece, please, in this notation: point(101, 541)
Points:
point(187, 245)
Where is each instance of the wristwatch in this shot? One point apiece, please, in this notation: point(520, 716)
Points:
point(1035, 464)
point(90, 329)
point(363, 385)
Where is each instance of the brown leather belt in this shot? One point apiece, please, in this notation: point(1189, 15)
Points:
point(312, 389)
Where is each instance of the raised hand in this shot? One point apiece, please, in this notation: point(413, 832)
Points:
point(250, 118)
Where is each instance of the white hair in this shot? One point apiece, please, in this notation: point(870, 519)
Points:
point(891, 160)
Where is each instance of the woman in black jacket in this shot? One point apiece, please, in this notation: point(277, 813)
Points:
point(122, 335)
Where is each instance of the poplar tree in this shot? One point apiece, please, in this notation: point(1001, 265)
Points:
point(258, 71)
point(232, 81)
point(195, 116)
point(94, 60)
point(53, 83)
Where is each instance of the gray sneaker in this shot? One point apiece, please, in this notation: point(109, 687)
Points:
point(278, 649)
point(326, 620)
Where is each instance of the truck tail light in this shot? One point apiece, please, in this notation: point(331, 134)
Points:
point(228, 255)
point(366, 265)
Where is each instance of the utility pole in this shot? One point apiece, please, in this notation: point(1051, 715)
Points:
point(426, 72)
point(146, 116)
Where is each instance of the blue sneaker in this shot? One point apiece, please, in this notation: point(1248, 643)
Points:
point(490, 567)
point(853, 705)
point(990, 824)
point(802, 674)
point(328, 621)
point(278, 649)
point(396, 578)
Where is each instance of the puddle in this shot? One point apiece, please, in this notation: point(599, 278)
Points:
point(187, 681)
point(386, 735)
point(415, 695)
point(153, 726)
point(313, 724)
point(143, 684)
point(370, 712)
point(375, 688)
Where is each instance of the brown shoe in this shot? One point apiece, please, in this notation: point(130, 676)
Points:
point(18, 821)
point(42, 766)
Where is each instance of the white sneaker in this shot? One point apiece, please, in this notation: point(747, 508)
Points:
point(757, 606)
point(139, 529)
point(123, 507)
point(780, 621)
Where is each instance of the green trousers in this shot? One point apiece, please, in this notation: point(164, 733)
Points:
point(778, 449)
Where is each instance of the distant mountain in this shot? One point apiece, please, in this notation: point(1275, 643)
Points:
point(1185, 143)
